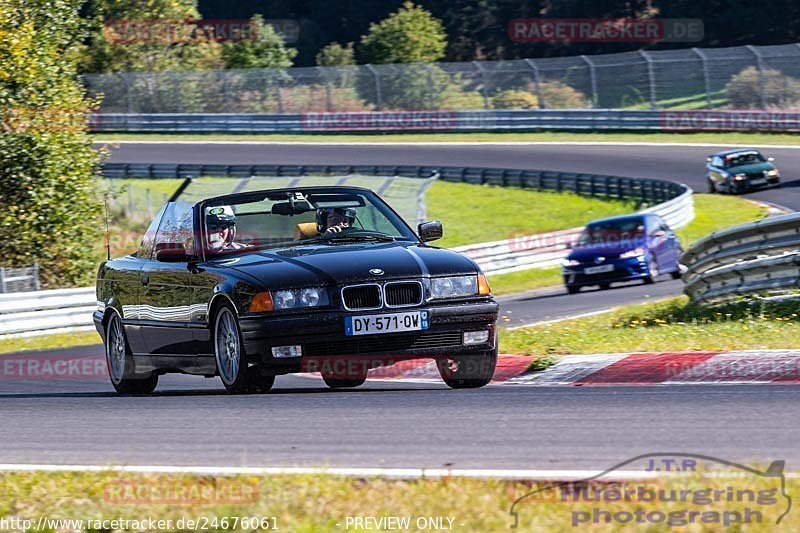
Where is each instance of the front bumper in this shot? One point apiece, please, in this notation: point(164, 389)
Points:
point(628, 269)
point(321, 334)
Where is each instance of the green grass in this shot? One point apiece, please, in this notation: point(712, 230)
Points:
point(322, 503)
point(474, 213)
point(48, 342)
point(717, 138)
point(668, 325)
point(714, 212)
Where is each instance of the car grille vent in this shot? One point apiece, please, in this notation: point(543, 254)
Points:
point(362, 297)
point(403, 294)
point(380, 344)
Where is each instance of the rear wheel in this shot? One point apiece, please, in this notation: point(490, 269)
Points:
point(468, 371)
point(573, 289)
point(120, 362)
point(232, 367)
point(712, 187)
point(605, 286)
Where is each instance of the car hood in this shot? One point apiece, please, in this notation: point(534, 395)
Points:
point(753, 168)
point(347, 263)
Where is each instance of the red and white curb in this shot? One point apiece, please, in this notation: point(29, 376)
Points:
point(648, 368)
point(671, 368)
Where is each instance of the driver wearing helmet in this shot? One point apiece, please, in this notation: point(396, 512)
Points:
point(335, 219)
point(221, 224)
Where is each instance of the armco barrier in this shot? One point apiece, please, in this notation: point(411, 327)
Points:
point(671, 200)
point(474, 120)
point(45, 311)
point(761, 257)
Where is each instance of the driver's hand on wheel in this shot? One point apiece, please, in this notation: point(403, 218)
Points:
point(338, 228)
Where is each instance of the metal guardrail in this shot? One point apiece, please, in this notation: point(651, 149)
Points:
point(46, 311)
point(475, 120)
point(761, 257)
point(49, 311)
point(671, 200)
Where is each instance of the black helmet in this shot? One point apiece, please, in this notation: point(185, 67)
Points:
point(346, 214)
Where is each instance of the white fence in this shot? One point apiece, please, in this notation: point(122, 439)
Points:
point(46, 311)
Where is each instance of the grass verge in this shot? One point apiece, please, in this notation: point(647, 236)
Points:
point(324, 503)
point(716, 138)
point(669, 325)
point(525, 280)
point(48, 342)
point(474, 213)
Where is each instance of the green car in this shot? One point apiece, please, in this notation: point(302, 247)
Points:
point(739, 171)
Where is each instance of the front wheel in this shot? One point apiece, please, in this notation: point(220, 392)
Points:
point(652, 272)
point(573, 289)
point(712, 187)
point(119, 360)
point(468, 371)
point(232, 367)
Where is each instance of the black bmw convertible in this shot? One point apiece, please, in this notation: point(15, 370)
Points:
point(252, 285)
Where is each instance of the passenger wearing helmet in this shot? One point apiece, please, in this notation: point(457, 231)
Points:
point(335, 219)
point(221, 225)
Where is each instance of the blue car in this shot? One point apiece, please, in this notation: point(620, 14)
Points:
point(622, 248)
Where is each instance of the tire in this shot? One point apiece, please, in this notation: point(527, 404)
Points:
point(334, 382)
point(236, 376)
point(119, 360)
point(712, 187)
point(676, 274)
point(573, 289)
point(468, 371)
point(605, 286)
point(653, 272)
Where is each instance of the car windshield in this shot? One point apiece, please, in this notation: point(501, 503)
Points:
point(612, 233)
point(743, 158)
point(299, 217)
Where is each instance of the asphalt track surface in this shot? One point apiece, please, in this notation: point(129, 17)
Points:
point(191, 421)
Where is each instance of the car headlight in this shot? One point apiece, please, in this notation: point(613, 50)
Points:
point(740, 177)
point(570, 262)
point(773, 172)
point(454, 286)
point(636, 252)
point(291, 299)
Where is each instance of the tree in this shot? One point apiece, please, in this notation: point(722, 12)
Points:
point(49, 210)
point(411, 35)
point(336, 55)
point(267, 50)
point(120, 40)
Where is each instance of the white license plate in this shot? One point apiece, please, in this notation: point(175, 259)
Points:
point(599, 269)
point(760, 181)
point(388, 323)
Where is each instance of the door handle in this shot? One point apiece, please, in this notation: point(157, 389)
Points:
point(145, 279)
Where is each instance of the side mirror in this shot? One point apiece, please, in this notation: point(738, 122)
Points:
point(708, 160)
point(770, 159)
point(170, 252)
point(430, 231)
